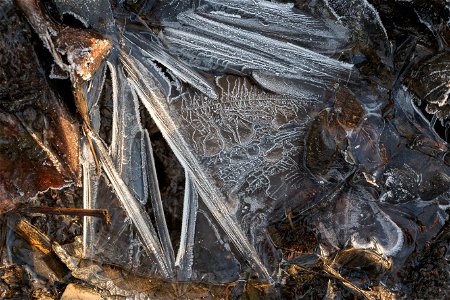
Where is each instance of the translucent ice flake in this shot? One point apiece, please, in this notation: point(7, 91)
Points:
point(185, 256)
point(127, 145)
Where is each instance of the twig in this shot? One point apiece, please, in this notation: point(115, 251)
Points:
point(81, 212)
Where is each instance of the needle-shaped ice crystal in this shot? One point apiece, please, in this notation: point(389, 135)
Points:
point(154, 101)
point(210, 43)
point(133, 208)
point(149, 47)
point(185, 256)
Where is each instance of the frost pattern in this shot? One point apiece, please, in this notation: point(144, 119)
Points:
point(209, 42)
point(249, 142)
point(248, 113)
point(280, 21)
point(157, 107)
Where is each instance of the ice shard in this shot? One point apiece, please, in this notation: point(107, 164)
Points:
point(185, 255)
point(280, 21)
point(141, 220)
point(267, 121)
point(154, 101)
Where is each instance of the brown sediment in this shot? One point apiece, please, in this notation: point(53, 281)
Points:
point(348, 109)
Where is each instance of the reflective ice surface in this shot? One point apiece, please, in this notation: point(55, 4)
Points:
point(294, 149)
point(278, 124)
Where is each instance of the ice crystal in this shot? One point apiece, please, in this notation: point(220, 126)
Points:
point(263, 139)
point(261, 104)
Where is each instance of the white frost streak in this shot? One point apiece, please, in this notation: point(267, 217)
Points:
point(152, 49)
point(279, 19)
point(153, 100)
point(90, 181)
point(185, 256)
point(139, 217)
point(220, 44)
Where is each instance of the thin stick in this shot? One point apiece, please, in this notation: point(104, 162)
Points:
point(81, 212)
